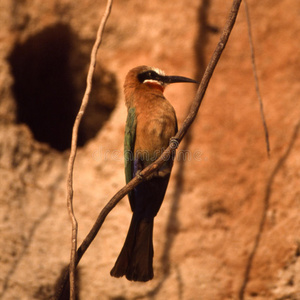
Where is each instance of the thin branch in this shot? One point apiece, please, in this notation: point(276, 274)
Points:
point(256, 79)
point(79, 116)
point(266, 203)
point(174, 141)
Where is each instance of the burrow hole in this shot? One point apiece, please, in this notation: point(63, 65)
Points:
point(49, 71)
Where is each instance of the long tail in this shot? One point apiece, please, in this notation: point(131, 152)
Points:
point(136, 257)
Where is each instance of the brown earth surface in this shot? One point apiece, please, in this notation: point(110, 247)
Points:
point(229, 227)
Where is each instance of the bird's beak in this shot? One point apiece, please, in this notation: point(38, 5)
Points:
point(174, 79)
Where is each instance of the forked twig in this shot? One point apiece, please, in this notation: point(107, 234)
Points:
point(79, 116)
point(173, 143)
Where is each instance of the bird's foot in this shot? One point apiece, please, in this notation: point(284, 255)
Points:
point(174, 143)
point(139, 176)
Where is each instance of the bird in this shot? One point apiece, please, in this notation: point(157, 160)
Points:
point(151, 123)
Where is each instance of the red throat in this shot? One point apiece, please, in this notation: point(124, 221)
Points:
point(154, 85)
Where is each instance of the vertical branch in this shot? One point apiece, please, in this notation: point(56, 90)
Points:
point(256, 79)
point(74, 148)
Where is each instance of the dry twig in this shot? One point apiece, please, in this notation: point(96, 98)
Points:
point(73, 260)
point(174, 142)
point(256, 79)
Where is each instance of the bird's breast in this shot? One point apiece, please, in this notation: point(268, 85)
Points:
point(156, 124)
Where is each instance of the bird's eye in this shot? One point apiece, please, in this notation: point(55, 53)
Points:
point(148, 75)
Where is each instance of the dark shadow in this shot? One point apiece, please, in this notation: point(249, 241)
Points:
point(62, 287)
point(266, 201)
point(49, 71)
point(205, 29)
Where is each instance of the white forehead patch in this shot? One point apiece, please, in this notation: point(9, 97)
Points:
point(159, 71)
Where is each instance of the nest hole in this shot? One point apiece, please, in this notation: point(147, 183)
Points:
point(49, 71)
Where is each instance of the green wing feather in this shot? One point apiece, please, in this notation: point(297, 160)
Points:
point(130, 132)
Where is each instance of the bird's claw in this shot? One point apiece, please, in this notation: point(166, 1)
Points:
point(138, 175)
point(174, 143)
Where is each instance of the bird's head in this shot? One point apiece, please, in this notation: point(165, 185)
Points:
point(150, 78)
